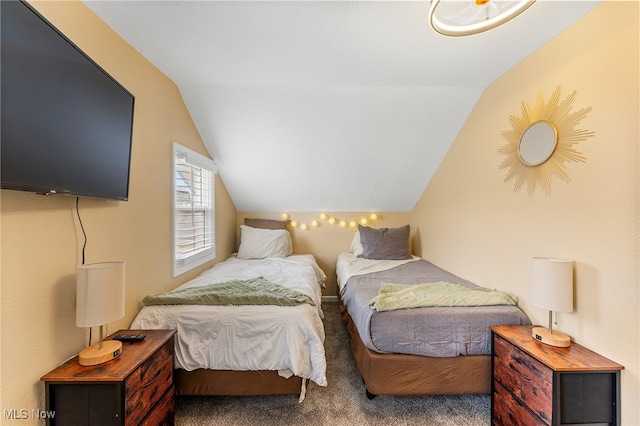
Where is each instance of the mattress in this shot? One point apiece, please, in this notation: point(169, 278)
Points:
point(287, 339)
point(432, 331)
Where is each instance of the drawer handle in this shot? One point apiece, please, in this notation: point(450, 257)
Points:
point(155, 379)
point(519, 373)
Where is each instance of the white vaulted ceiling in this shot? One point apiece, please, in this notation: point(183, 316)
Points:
point(326, 105)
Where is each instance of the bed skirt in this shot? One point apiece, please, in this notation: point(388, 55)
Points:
point(236, 383)
point(414, 375)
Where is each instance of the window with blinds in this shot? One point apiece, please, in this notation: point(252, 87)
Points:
point(193, 209)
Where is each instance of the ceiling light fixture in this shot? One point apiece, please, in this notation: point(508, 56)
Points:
point(468, 17)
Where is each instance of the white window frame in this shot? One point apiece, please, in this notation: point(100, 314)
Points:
point(204, 202)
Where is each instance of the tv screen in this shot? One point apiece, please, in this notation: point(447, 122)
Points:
point(66, 123)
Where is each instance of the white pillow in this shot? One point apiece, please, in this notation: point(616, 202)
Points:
point(257, 243)
point(356, 245)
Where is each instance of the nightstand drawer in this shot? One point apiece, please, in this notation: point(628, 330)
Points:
point(148, 383)
point(525, 377)
point(509, 411)
point(164, 413)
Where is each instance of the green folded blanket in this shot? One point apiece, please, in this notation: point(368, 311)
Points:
point(254, 291)
point(402, 296)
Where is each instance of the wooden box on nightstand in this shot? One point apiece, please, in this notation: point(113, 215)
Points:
point(136, 388)
point(538, 384)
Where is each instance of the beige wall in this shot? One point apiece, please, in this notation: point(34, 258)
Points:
point(472, 223)
point(326, 241)
point(41, 239)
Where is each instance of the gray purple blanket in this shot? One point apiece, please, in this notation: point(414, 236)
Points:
point(429, 331)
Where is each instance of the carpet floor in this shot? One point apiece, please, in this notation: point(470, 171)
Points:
point(342, 402)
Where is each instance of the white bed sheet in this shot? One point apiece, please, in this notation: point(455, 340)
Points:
point(348, 265)
point(289, 339)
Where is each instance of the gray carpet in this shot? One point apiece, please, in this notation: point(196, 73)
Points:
point(342, 402)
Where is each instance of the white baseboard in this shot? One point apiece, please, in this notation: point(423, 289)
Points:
point(330, 299)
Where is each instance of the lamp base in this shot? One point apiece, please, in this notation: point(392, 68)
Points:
point(556, 338)
point(94, 355)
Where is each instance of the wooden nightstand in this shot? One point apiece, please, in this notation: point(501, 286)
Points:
point(136, 388)
point(537, 384)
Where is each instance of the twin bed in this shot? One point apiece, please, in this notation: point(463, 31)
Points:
point(270, 345)
point(251, 342)
point(429, 350)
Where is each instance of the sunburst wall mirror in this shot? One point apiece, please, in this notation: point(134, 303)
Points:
point(541, 142)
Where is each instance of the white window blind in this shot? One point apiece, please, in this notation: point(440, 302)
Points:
point(193, 209)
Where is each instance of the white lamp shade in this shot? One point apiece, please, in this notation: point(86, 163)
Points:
point(552, 284)
point(100, 293)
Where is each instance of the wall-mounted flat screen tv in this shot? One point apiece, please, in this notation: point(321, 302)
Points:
point(66, 123)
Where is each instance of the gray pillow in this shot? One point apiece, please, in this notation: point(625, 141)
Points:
point(385, 243)
point(266, 223)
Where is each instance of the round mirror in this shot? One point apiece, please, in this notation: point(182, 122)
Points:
point(537, 143)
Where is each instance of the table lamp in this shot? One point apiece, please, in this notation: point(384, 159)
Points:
point(552, 289)
point(99, 301)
